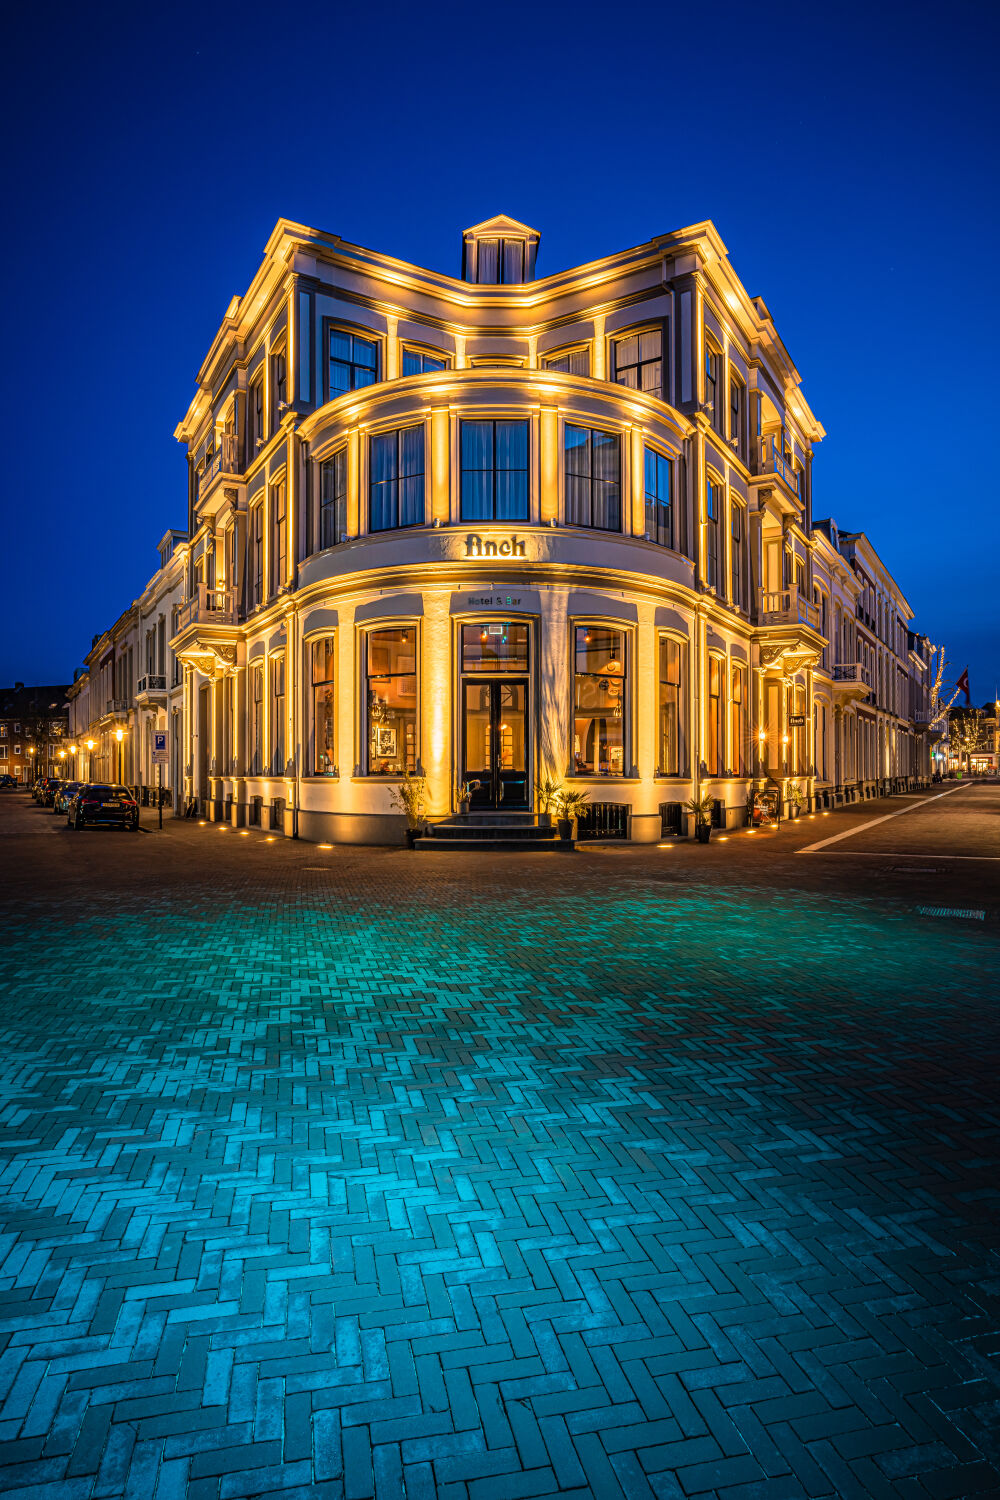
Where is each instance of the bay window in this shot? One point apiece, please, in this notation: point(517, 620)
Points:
point(417, 362)
point(672, 754)
point(568, 361)
point(324, 706)
point(396, 479)
point(333, 500)
point(593, 478)
point(599, 705)
point(658, 482)
point(494, 483)
point(391, 701)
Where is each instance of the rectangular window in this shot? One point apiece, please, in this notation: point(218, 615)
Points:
point(333, 500)
point(715, 749)
point(255, 422)
point(738, 720)
point(353, 362)
point(713, 360)
point(637, 361)
point(391, 701)
point(279, 387)
point(659, 477)
point(230, 551)
point(713, 507)
point(593, 478)
point(500, 262)
point(568, 361)
point(256, 555)
point(737, 415)
point(416, 362)
point(279, 536)
point(229, 724)
point(324, 706)
point(396, 479)
point(672, 718)
point(277, 715)
point(494, 471)
point(256, 717)
point(738, 554)
point(599, 701)
point(495, 646)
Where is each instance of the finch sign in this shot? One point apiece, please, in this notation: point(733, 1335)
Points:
point(510, 546)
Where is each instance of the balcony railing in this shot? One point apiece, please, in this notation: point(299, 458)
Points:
point(787, 607)
point(117, 706)
point(153, 682)
point(226, 461)
point(770, 459)
point(849, 671)
point(211, 606)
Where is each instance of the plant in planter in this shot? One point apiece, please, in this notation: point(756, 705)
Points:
point(568, 807)
point(464, 793)
point(548, 798)
point(700, 809)
point(409, 798)
point(795, 797)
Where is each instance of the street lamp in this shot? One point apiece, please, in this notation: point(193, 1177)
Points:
point(119, 736)
point(90, 760)
point(31, 764)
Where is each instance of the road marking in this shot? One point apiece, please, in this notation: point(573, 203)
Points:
point(904, 853)
point(850, 832)
point(952, 911)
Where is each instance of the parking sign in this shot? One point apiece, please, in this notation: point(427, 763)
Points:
point(161, 755)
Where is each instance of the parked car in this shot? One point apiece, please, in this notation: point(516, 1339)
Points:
point(101, 803)
point(7, 782)
point(36, 786)
point(64, 795)
point(47, 788)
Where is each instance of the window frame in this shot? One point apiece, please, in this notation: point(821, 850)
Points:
point(365, 677)
point(328, 638)
point(713, 486)
point(660, 326)
point(396, 480)
point(256, 415)
point(354, 331)
point(715, 736)
point(737, 413)
point(564, 352)
point(653, 535)
point(422, 351)
point(626, 635)
point(713, 379)
point(683, 738)
point(278, 560)
point(739, 721)
point(493, 518)
point(255, 571)
point(276, 727)
point(278, 359)
point(591, 525)
point(332, 507)
point(255, 703)
point(737, 554)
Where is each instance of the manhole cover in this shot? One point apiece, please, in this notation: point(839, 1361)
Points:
point(952, 911)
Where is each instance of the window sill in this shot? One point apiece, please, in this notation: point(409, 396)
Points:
point(321, 776)
point(598, 780)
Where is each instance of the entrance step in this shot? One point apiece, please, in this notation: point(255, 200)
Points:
point(509, 839)
point(494, 829)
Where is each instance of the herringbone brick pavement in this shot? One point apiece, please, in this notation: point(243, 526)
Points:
point(384, 1176)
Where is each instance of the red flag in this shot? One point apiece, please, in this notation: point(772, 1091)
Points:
point(963, 683)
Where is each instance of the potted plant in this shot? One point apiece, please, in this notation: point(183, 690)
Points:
point(463, 794)
point(568, 807)
point(409, 798)
point(700, 809)
point(795, 797)
point(548, 797)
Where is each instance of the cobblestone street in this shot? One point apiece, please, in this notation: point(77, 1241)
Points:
point(633, 1171)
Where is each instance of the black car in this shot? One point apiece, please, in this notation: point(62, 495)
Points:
point(65, 792)
point(7, 782)
point(47, 788)
point(101, 803)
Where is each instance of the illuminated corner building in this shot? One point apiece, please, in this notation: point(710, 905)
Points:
point(495, 529)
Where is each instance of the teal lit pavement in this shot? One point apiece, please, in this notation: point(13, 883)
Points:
point(390, 1176)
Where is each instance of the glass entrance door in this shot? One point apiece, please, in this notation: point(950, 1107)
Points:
point(495, 742)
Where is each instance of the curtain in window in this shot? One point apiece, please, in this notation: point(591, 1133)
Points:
point(477, 471)
point(513, 261)
point(658, 486)
point(512, 471)
point(607, 508)
point(382, 482)
point(577, 457)
point(488, 263)
point(333, 500)
point(411, 476)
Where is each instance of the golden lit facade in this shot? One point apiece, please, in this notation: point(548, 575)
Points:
point(496, 531)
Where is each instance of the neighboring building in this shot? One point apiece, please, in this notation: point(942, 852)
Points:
point(33, 724)
point(494, 529)
point(132, 684)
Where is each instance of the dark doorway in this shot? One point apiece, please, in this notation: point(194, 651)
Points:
point(495, 742)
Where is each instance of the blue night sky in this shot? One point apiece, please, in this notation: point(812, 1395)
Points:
point(847, 155)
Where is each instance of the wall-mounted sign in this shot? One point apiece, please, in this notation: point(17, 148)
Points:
point(510, 546)
point(492, 601)
point(796, 721)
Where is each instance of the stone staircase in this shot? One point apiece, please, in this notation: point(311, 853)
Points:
point(517, 832)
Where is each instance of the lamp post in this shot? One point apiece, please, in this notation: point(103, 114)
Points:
point(119, 736)
point(73, 751)
point(31, 765)
point(90, 760)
